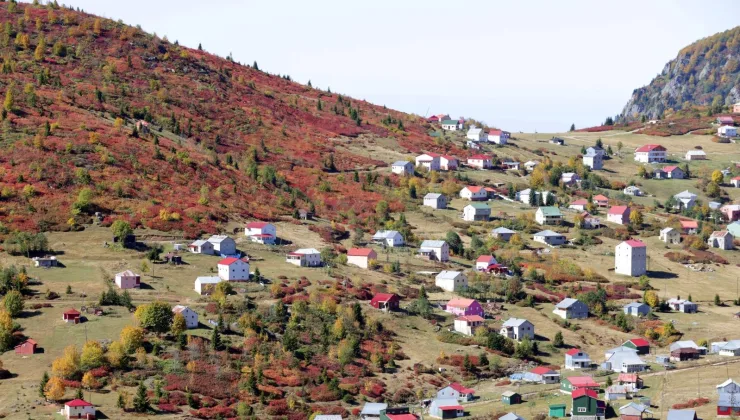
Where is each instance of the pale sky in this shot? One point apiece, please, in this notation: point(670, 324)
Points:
point(518, 65)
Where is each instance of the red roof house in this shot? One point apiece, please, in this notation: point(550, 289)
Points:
point(689, 226)
point(361, 257)
point(601, 200)
point(79, 409)
point(572, 352)
point(650, 148)
point(463, 306)
point(584, 391)
point(386, 301)
point(640, 344)
point(619, 215)
point(71, 316)
point(26, 347)
point(634, 243)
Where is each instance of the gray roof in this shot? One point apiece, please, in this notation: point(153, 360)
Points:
point(373, 408)
point(687, 344)
point(433, 196)
point(401, 163)
point(208, 279)
point(199, 242)
point(566, 303)
point(502, 230)
point(514, 322)
point(685, 194)
point(385, 234)
point(635, 305)
point(731, 345)
point(633, 409)
point(510, 416)
point(448, 274)
point(508, 393)
point(548, 233)
point(218, 238)
point(432, 244)
point(681, 415)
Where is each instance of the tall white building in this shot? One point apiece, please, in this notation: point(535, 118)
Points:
point(630, 258)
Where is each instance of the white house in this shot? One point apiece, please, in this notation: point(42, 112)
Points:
point(731, 348)
point(696, 155)
point(632, 190)
point(476, 134)
point(451, 281)
point(595, 161)
point(727, 131)
point(205, 284)
point(482, 263)
point(435, 201)
point(474, 193)
point(570, 178)
point(577, 359)
point(448, 163)
point(721, 239)
point(549, 237)
point(388, 238)
point(233, 269)
point(517, 329)
point(451, 125)
point(624, 360)
point(304, 257)
point(223, 245)
point(467, 324)
point(498, 136)
point(579, 205)
point(191, 317)
point(619, 215)
point(361, 257)
point(480, 161)
point(735, 182)
point(201, 246)
point(630, 258)
point(570, 308)
point(402, 167)
point(685, 200)
point(650, 153)
point(636, 309)
point(530, 165)
point(548, 216)
point(78, 409)
point(435, 250)
point(476, 212)
point(670, 235)
point(429, 161)
point(261, 232)
point(682, 305)
point(456, 391)
point(128, 280)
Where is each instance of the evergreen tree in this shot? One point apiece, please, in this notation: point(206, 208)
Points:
point(79, 394)
point(455, 243)
point(141, 400)
point(717, 301)
point(572, 127)
point(255, 66)
point(309, 84)
point(532, 197)
point(42, 385)
point(200, 47)
point(215, 339)
point(558, 340)
point(121, 403)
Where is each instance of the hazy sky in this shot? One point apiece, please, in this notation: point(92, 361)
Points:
point(520, 65)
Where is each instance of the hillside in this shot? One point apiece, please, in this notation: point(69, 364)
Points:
point(704, 73)
point(225, 140)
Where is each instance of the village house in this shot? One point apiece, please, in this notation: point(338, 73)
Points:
point(549, 237)
point(435, 201)
point(630, 258)
point(172, 258)
point(503, 233)
point(448, 163)
point(78, 409)
point(468, 324)
point(634, 411)
point(530, 165)
point(590, 222)
point(372, 410)
point(361, 257)
point(499, 137)
point(548, 216)
point(570, 308)
point(617, 392)
point(402, 167)
point(304, 257)
point(542, 375)
point(463, 306)
point(517, 329)
point(431, 161)
point(670, 172)
point(511, 398)
point(728, 387)
point(624, 360)
point(681, 415)
point(688, 344)
point(523, 196)
point(632, 380)
point(684, 354)
point(45, 262)
point(451, 125)
point(388, 238)
point(696, 155)
point(577, 359)
point(727, 131)
point(474, 193)
point(728, 405)
point(579, 204)
point(510, 165)
point(128, 280)
point(587, 406)
point(394, 413)
point(670, 236)
point(640, 345)
point(191, 317)
point(730, 348)
point(632, 190)
point(435, 250)
point(596, 150)
point(682, 305)
point(650, 153)
point(684, 200)
point(451, 281)
point(205, 284)
point(261, 232)
point(233, 269)
point(473, 145)
point(201, 246)
point(721, 239)
point(223, 245)
point(27, 347)
point(593, 160)
point(556, 411)
point(484, 261)
point(601, 200)
point(386, 301)
point(438, 118)
point(689, 227)
point(735, 182)
point(480, 161)
point(731, 213)
point(725, 120)
point(457, 391)
point(575, 383)
point(636, 309)
point(476, 212)
point(476, 134)
point(445, 408)
point(570, 179)
point(619, 215)
point(71, 316)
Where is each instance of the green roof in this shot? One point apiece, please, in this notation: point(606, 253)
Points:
point(557, 406)
point(435, 134)
point(550, 211)
point(479, 206)
point(449, 122)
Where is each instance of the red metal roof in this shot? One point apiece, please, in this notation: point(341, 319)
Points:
point(485, 258)
point(78, 403)
point(480, 157)
point(256, 225)
point(229, 261)
point(541, 370)
point(650, 148)
point(640, 342)
point(669, 168)
point(601, 198)
point(581, 202)
point(572, 352)
point(628, 377)
point(401, 416)
point(474, 188)
point(470, 318)
point(460, 302)
point(689, 224)
point(451, 407)
point(583, 391)
point(634, 243)
point(359, 252)
point(461, 389)
point(71, 312)
point(495, 132)
point(382, 297)
point(582, 381)
point(618, 210)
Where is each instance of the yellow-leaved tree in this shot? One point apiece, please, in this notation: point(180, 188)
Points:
point(67, 365)
point(131, 338)
point(55, 389)
point(92, 355)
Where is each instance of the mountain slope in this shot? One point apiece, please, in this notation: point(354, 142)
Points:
point(702, 71)
point(225, 140)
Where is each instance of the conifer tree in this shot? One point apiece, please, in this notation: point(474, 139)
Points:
point(141, 400)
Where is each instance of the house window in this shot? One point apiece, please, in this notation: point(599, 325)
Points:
point(581, 409)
